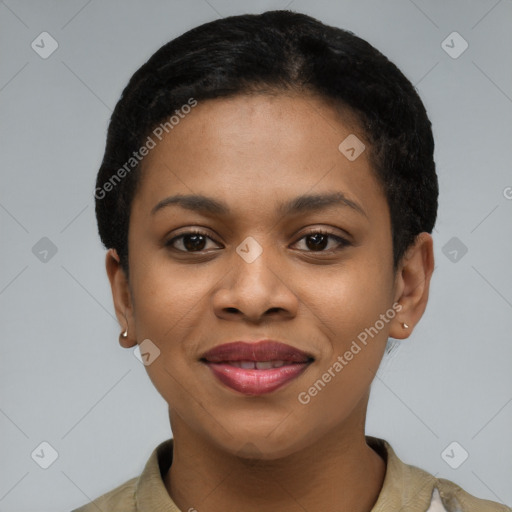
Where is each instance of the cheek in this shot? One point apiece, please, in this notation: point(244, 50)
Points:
point(171, 308)
point(165, 308)
point(348, 298)
point(352, 308)
point(166, 300)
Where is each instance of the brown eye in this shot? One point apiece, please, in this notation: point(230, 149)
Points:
point(317, 241)
point(194, 242)
point(191, 241)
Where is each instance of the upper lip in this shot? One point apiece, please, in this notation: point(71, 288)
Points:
point(264, 350)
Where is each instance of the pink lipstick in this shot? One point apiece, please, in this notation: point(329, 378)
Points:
point(256, 368)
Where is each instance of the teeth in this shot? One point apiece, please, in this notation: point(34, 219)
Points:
point(258, 365)
point(264, 365)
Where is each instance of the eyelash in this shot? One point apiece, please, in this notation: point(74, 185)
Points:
point(342, 242)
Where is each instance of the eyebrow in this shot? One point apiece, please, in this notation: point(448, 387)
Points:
point(304, 203)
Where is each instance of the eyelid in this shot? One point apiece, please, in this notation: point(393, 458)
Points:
point(330, 231)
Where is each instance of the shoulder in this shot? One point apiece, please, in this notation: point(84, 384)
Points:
point(120, 499)
point(447, 496)
point(455, 498)
point(408, 486)
point(145, 492)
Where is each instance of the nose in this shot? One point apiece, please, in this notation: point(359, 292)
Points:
point(257, 291)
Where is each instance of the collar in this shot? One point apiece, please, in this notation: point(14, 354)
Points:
point(405, 487)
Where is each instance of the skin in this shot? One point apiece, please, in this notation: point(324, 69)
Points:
point(252, 153)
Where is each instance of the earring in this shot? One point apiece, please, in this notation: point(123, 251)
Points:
point(405, 326)
point(123, 335)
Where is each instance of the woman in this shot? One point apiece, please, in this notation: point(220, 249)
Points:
point(266, 197)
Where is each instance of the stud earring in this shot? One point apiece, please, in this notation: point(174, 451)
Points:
point(405, 326)
point(123, 335)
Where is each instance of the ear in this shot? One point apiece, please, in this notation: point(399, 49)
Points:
point(412, 284)
point(121, 295)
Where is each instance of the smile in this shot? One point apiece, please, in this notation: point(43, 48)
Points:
point(255, 368)
point(256, 378)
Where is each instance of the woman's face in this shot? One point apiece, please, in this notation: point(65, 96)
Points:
point(261, 271)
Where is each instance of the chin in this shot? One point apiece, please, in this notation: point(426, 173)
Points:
point(260, 445)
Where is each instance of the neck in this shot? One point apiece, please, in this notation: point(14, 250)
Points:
point(337, 472)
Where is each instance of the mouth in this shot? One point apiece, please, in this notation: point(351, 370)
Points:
point(256, 368)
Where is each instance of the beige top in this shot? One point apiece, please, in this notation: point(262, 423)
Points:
point(406, 488)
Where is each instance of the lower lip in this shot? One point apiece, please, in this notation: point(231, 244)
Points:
point(256, 382)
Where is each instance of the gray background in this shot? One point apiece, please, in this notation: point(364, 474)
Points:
point(64, 378)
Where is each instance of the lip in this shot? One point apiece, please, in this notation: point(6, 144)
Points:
point(264, 350)
point(223, 360)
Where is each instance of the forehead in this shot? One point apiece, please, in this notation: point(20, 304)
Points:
point(250, 151)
